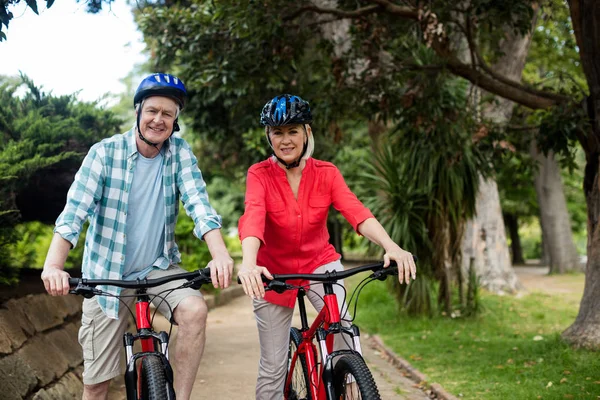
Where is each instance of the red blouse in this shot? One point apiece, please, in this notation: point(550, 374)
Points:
point(293, 232)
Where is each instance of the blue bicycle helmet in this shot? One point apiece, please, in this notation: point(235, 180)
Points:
point(285, 109)
point(161, 85)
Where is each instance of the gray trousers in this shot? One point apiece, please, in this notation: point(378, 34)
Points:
point(274, 323)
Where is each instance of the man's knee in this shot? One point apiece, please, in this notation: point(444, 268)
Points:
point(191, 313)
point(96, 391)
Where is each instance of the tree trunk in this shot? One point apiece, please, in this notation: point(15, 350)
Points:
point(585, 331)
point(512, 223)
point(485, 241)
point(554, 215)
point(485, 237)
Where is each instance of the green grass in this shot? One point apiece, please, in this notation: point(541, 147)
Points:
point(512, 350)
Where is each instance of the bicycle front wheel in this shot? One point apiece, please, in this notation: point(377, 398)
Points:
point(153, 379)
point(353, 380)
point(298, 387)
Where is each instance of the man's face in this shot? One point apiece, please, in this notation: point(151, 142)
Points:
point(158, 115)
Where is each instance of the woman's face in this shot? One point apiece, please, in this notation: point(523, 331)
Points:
point(288, 141)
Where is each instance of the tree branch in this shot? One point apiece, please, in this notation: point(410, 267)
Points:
point(401, 11)
point(487, 80)
point(334, 11)
point(483, 65)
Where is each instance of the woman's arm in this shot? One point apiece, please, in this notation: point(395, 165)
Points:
point(372, 230)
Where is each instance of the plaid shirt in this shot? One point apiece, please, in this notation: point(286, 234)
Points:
point(100, 192)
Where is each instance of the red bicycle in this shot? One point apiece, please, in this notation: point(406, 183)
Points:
point(341, 374)
point(148, 375)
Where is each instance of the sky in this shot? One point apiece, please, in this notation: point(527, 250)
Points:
point(65, 50)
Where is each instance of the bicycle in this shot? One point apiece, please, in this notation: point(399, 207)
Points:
point(310, 379)
point(148, 375)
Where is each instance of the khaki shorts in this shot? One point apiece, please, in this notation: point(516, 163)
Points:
point(102, 338)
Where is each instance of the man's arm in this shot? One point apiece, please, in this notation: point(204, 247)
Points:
point(221, 266)
point(56, 280)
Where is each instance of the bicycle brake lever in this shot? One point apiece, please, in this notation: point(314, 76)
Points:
point(278, 286)
point(86, 291)
point(382, 274)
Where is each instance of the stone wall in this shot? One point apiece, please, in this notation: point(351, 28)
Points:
point(40, 357)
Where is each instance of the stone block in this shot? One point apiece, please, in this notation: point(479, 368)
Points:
point(73, 304)
point(17, 379)
point(44, 358)
point(67, 343)
point(69, 387)
point(43, 311)
point(15, 307)
point(10, 332)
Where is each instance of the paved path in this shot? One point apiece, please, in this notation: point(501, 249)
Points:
point(229, 366)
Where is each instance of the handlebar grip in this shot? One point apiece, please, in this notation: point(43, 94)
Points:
point(73, 282)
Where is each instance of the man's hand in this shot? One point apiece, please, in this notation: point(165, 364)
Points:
point(56, 281)
point(221, 270)
point(250, 278)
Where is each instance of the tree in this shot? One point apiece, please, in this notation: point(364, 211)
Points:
point(42, 142)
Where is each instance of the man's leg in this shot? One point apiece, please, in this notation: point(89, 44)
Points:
point(96, 392)
point(190, 316)
point(101, 339)
point(189, 313)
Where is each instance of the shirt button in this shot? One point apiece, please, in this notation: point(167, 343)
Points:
point(298, 215)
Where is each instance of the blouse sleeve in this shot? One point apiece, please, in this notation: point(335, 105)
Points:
point(346, 202)
point(252, 223)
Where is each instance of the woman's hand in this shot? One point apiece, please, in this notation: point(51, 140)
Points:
point(405, 261)
point(250, 277)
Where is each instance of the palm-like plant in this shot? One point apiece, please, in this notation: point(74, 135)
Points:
point(427, 182)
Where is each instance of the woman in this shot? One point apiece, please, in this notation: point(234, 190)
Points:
point(284, 230)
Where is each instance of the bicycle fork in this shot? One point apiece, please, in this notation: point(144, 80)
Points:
point(148, 340)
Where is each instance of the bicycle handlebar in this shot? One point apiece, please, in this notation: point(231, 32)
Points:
point(87, 287)
point(333, 276)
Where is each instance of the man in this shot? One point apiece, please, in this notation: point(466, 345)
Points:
point(128, 186)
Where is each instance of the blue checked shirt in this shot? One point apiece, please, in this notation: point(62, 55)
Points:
point(100, 192)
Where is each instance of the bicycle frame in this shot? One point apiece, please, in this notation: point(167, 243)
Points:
point(152, 343)
point(327, 322)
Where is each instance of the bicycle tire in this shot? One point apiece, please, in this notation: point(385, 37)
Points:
point(154, 381)
point(355, 366)
point(299, 387)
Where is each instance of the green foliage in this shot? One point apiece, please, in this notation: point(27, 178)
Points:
point(561, 129)
point(227, 198)
point(93, 6)
point(425, 183)
point(194, 252)
point(38, 131)
point(553, 61)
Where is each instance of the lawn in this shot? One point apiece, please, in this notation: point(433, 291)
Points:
point(512, 350)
